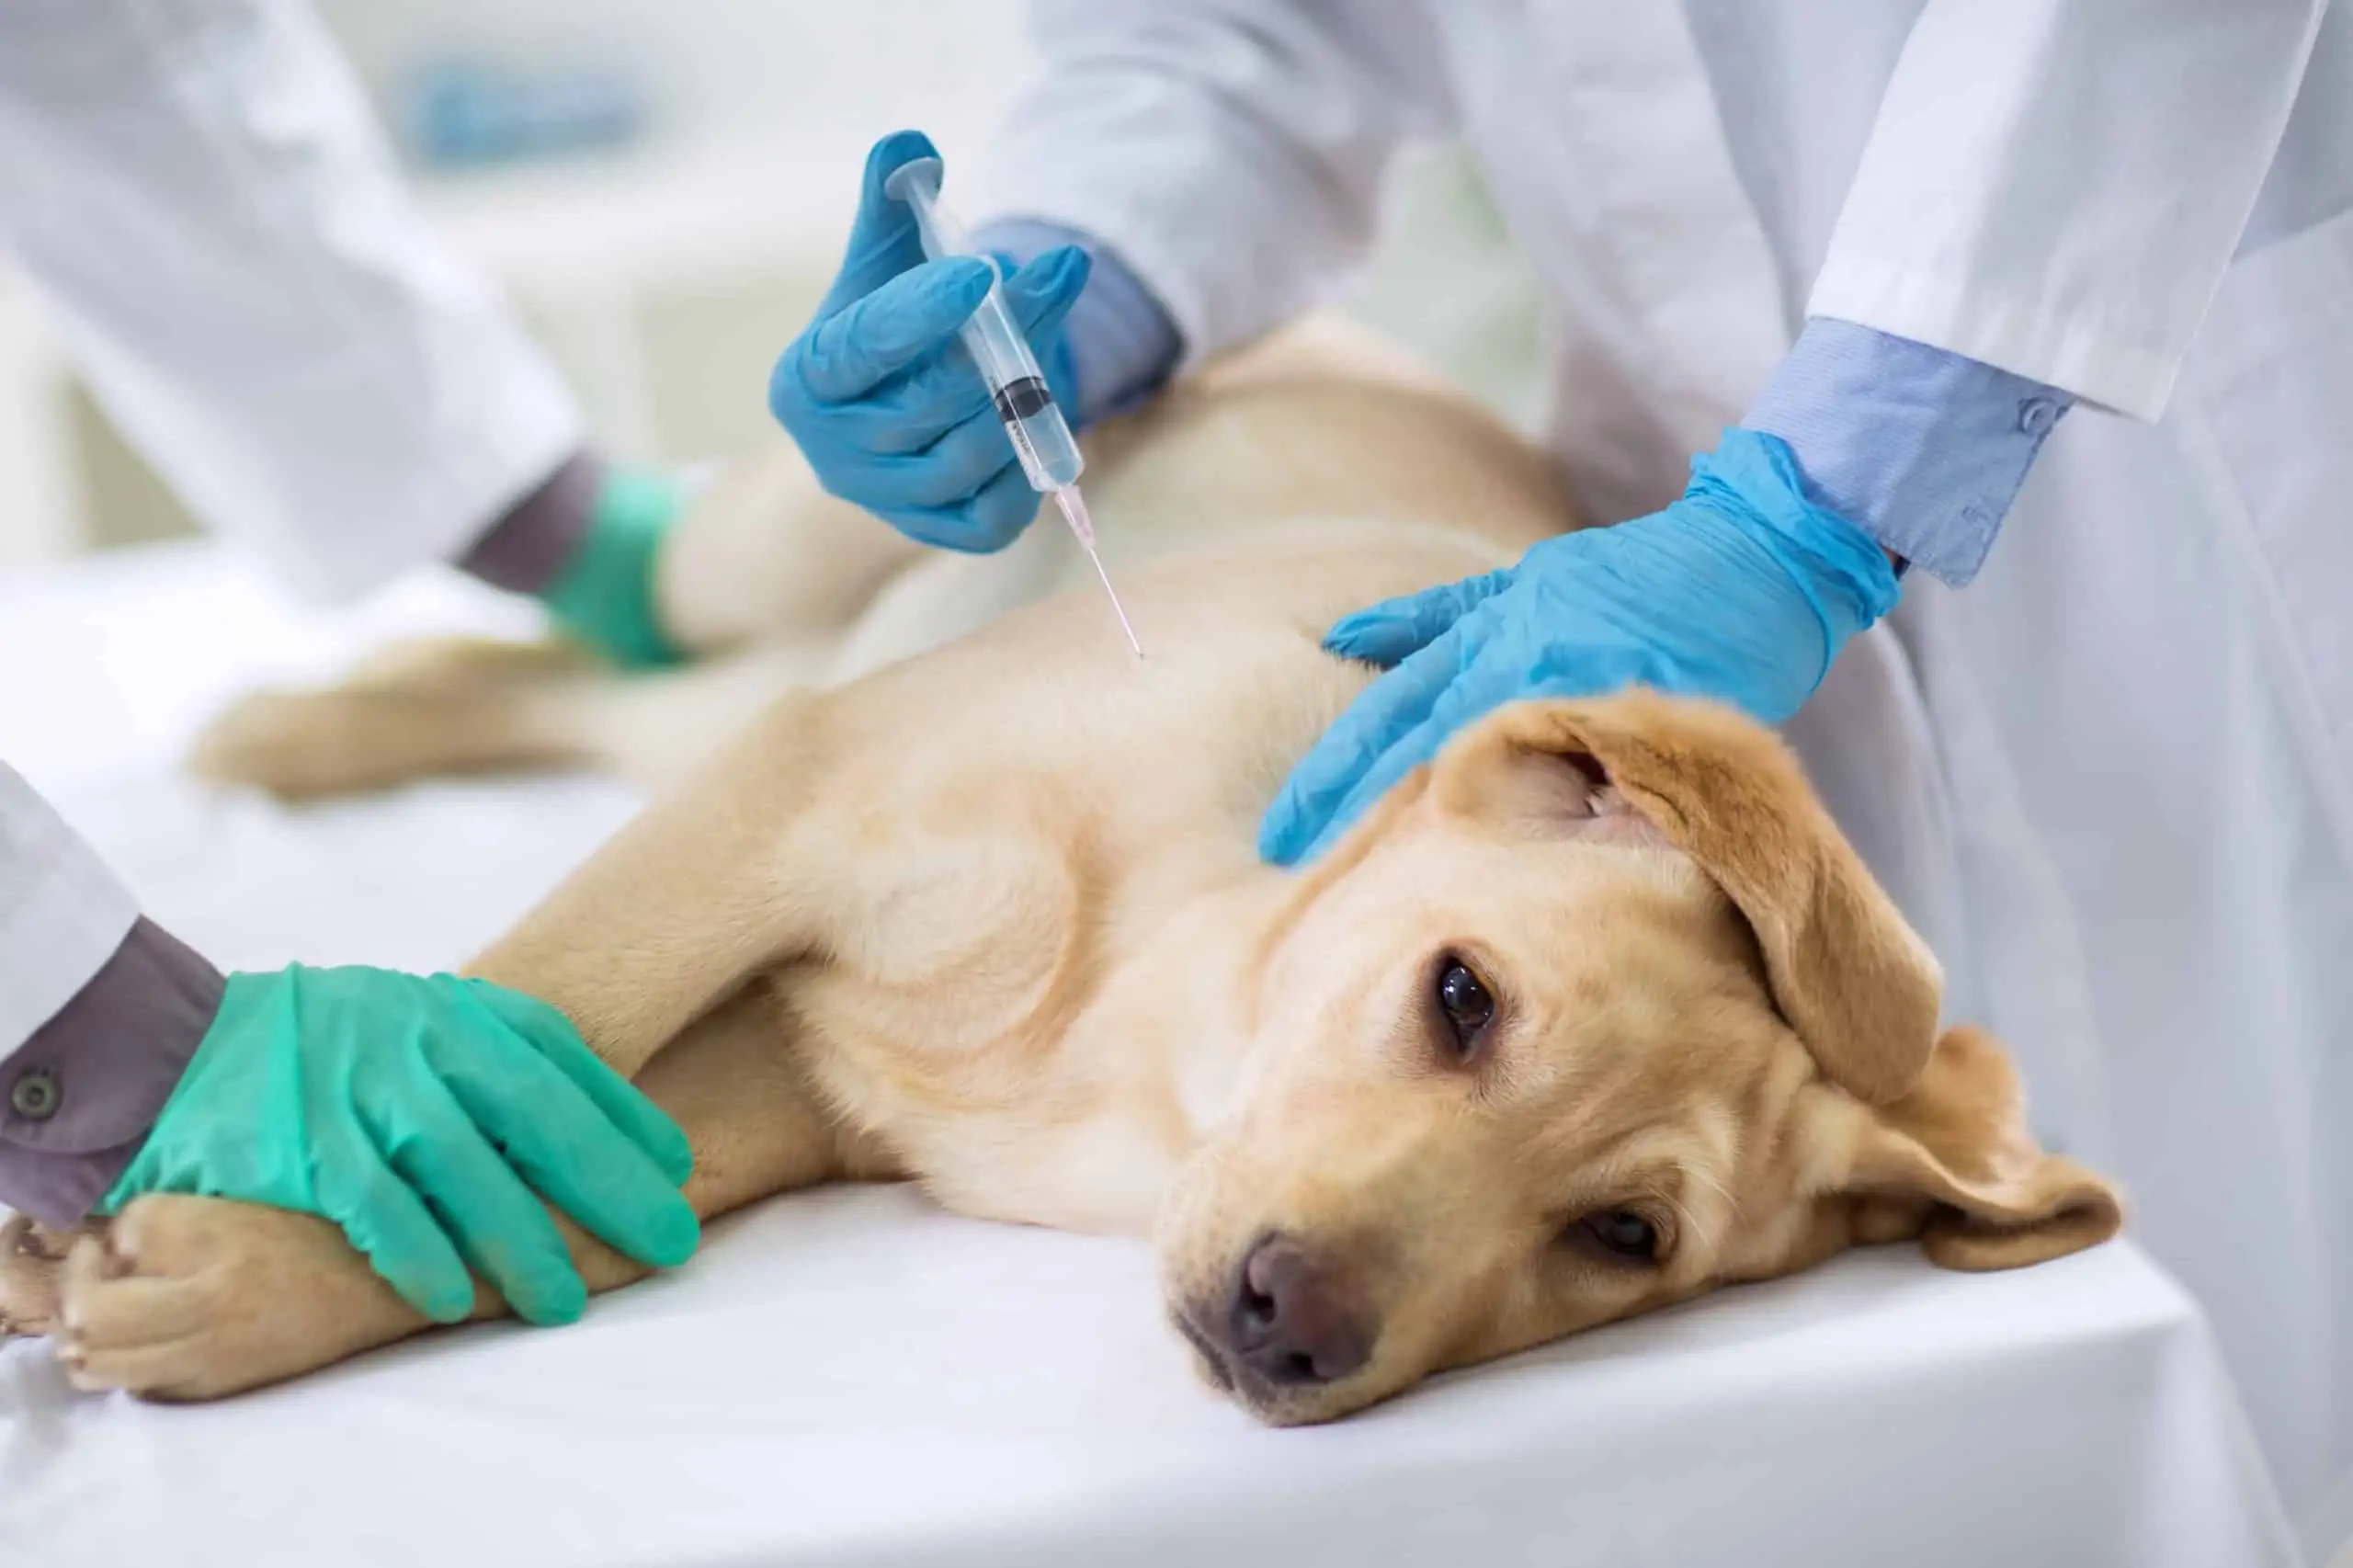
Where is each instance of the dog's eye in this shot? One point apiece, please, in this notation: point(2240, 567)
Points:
point(1623, 1233)
point(1466, 1004)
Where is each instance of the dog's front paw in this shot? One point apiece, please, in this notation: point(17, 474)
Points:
point(136, 1299)
point(32, 1259)
point(196, 1298)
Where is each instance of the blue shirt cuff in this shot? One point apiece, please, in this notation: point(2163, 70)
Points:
point(1921, 448)
point(1122, 344)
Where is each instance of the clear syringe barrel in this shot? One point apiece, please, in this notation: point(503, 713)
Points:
point(1041, 437)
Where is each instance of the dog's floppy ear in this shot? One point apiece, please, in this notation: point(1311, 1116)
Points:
point(1853, 980)
point(1952, 1163)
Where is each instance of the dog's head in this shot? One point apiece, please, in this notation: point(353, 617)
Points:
point(1595, 1014)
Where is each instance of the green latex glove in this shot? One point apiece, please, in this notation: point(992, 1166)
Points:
point(604, 596)
point(413, 1110)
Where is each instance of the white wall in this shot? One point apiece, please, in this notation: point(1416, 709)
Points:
point(820, 79)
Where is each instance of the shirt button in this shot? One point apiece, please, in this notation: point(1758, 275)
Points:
point(2037, 415)
point(35, 1095)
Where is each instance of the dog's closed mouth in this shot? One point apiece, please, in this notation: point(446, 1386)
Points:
point(1213, 1363)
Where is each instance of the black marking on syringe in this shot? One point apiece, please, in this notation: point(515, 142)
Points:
point(1020, 400)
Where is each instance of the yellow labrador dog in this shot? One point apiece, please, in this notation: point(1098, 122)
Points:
point(1597, 1012)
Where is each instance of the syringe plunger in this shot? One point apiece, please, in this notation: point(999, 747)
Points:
point(1041, 437)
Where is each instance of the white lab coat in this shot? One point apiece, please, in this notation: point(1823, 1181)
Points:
point(2110, 780)
point(200, 190)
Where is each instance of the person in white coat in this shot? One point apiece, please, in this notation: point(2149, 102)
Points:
point(198, 188)
point(1889, 245)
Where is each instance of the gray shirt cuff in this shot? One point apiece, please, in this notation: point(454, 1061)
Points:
point(78, 1097)
point(535, 540)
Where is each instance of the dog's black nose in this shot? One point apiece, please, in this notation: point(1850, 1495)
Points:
point(1289, 1322)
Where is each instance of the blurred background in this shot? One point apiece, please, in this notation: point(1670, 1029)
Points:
point(663, 189)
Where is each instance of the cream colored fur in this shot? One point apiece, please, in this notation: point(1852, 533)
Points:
point(990, 917)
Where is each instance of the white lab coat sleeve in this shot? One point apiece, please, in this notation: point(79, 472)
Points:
point(200, 187)
point(1229, 152)
point(62, 913)
point(2055, 186)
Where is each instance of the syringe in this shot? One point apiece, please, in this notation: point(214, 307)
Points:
point(1041, 438)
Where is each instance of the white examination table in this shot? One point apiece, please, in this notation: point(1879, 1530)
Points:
point(850, 1376)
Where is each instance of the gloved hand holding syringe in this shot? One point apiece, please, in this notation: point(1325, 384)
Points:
point(1041, 437)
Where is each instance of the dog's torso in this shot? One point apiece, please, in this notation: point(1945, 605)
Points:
point(1056, 874)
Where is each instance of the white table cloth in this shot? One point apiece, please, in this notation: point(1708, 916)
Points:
point(850, 1376)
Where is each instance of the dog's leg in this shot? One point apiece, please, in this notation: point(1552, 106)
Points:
point(765, 552)
point(422, 710)
point(761, 579)
point(411, 711)
point(706, 886)
point(193, 1298)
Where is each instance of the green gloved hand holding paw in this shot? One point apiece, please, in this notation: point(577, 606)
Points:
point(428, 1116)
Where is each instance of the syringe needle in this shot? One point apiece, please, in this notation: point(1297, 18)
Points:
point(1074, 510)
point(1117, 608)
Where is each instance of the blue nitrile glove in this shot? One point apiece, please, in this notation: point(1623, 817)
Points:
point(882, 398)
point(420, 1113)
point(1743, 591)
point(604, 594)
